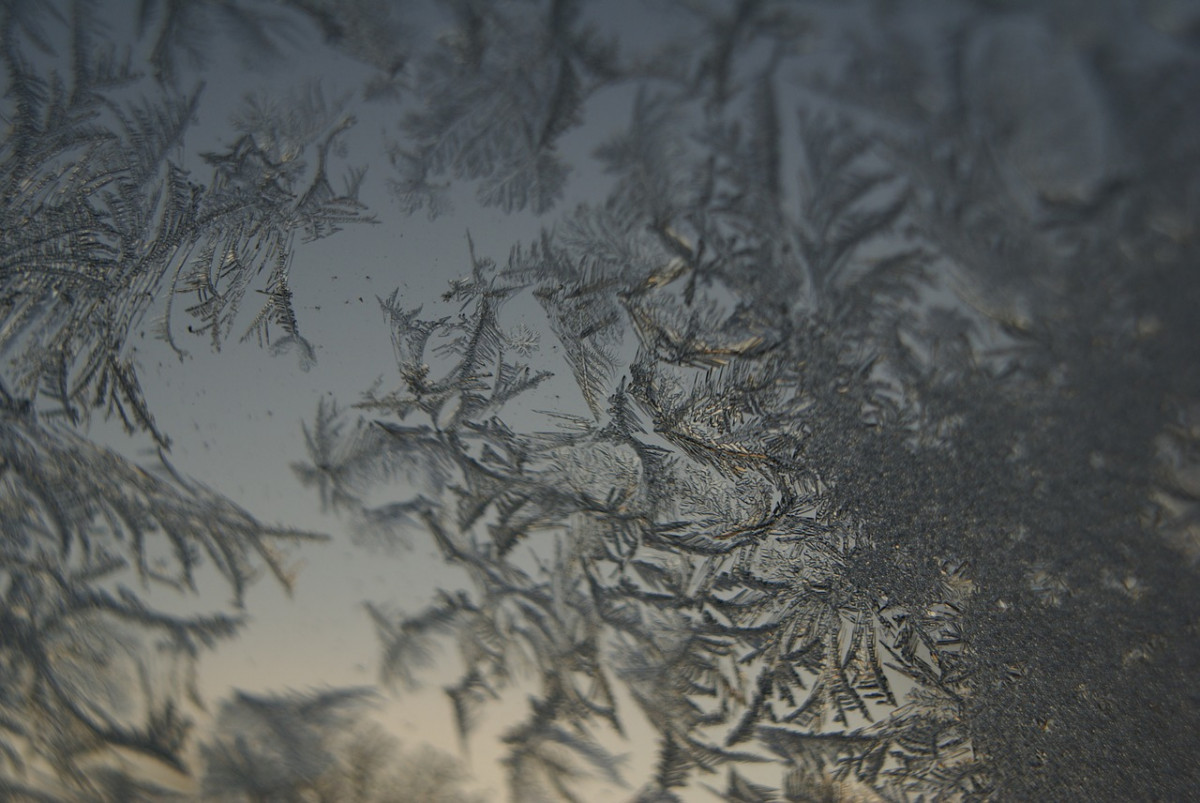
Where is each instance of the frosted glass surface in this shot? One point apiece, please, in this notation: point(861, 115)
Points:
point(542, 400)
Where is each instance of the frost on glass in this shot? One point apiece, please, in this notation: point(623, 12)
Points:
point(882, 443)
point(495, 94)
point(99, 222)
point(878, 478)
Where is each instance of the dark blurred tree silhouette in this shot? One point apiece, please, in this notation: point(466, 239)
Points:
point(319, 747)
